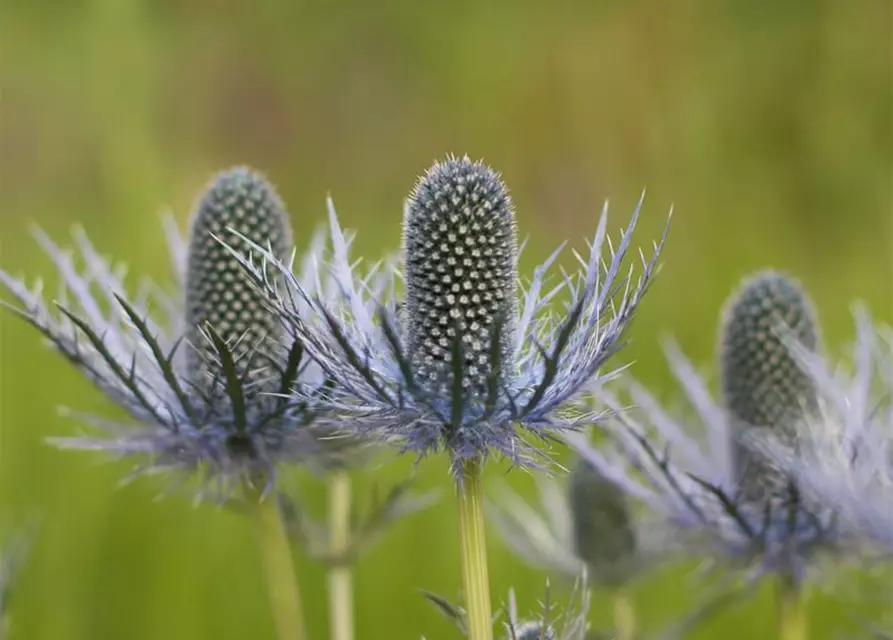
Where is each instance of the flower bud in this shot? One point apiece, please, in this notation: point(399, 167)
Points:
point(603, 531)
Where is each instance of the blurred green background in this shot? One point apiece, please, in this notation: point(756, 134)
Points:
point(767, 124)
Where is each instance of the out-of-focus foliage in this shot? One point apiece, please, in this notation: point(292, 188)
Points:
point(767, 124)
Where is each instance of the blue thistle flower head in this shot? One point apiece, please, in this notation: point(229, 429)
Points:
point(844, 451)
point(764, 385)
point(685, 467)
point(206, 373)
point(463, 363)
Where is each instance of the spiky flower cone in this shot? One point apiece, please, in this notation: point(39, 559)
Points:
point(763, 384)
point(461, 255)
point(603, 530)
point(461, 262)
point(228, 326)
point(218, 292)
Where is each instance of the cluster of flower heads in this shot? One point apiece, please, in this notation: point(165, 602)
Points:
point(460, 364)
point(205, 371)
point(732, 480)
point(251, 362)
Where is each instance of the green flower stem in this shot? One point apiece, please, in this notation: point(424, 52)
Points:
point(792, 613)
point(473, 547)
point(339, 576)
point(285, 597)
point(624, 616)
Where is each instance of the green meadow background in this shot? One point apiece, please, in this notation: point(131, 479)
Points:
point(766, 124)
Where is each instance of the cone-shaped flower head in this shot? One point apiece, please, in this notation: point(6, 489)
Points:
point(462, 366)
point(764, 384)
point(239, 204)
point(686, 466)
point(843, 456)
point(603, 530)
point(207, 374)
point(461, 258)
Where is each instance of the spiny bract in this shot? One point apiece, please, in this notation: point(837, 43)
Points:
point(223, 403)
point(764, 384)
point(450, 370)
point(551, 621)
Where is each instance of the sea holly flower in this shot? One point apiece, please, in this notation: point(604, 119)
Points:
point(554, 620)
point(712, 493)
point(211, 378)
point(689, 469)
point(551, 622)
point(763, 384)
point(463, 363)
point(844, 453)
point(205, 371)
point(691, 472)
point(462, 366)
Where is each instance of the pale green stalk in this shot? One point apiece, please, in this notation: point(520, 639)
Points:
point(792, 624)
point(473, 548)
point(339, 576)
point(624, 617)
point(285, 596)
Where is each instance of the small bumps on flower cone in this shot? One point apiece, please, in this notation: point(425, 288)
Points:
point(603, 530)
point(461, 257)
point(763, 384)
point(238, 202)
